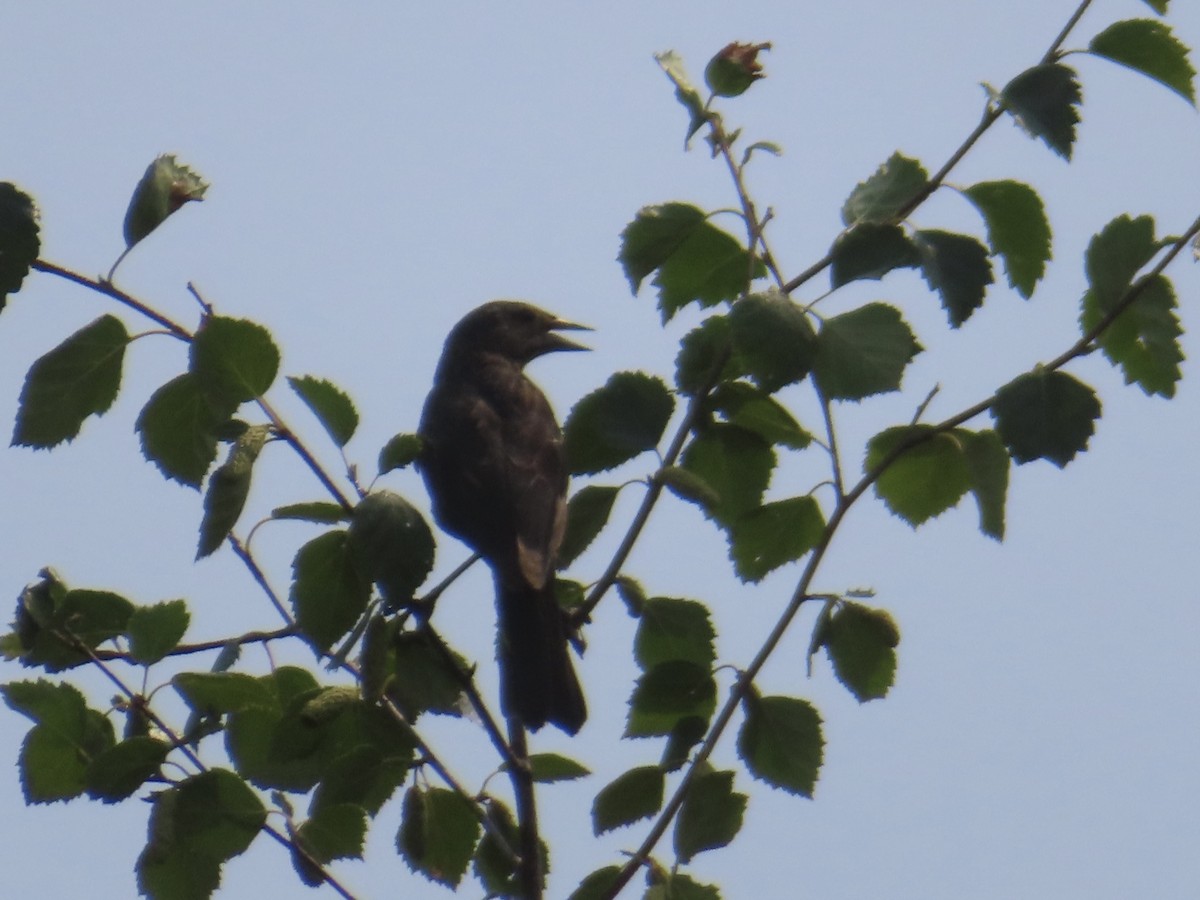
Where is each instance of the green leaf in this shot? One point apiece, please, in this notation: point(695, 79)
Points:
point(696, 261)
point(320, 511)
point(734, 68)
point(399, 452)
point(668, 693)
point(334, 832)
point(19, 241)
point(494, 865)
point(988, 462)
point(632, 594)
point(685, 734)
point(688, 486)
point(424, 679)
point(633, 795)
point(328, 594)
point(755, 410)
point(617, 422)
point(234, 360)
point(154, 631)
point(864, 352)
point(705, 356)
point(364, 777)
point(178, 429)
point(1116, 254)
point(119, 771)
point(194, 827)
point(228, 489)
point(224, 692)
point(929, 477)
point(870, 251)
point(55, 624)
point(1149, 47)
point(1044, 100)
point(781, 743)
point(672, 629)
point(685, 92)
point(677, 886)
point(1144, 339)
point(735, 463)
point(1045, 415)
point(391, 545)
point(587, 513)
point(332, 407)
point(773, 535)
point(711, 815)
point(882, 198)
point(548, 768)
point(1159, 6)
point(861, 643)
point(438, 833)
point(773, 340)
point(1017, 229)
point(78, 378)
point(957, 267)
point(597, 885)
point(66, 737)
point(164, 188)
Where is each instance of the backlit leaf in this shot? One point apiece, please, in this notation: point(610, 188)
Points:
point(1017, 229)
point(1045, 415)
point(863, 352)
point(1044, 100)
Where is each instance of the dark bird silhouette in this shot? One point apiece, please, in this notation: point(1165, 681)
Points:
point(492, 459)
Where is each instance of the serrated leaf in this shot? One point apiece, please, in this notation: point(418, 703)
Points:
point(705, 356)
point(1116, 254)
point(1159, 6)
point(685, 92)
point(863, 352)
point(755, 410)
point(56, 626)
point(735, 463)
point(178, 429)
point(1144, 339)
point(773, 340)
point(988, 462)
point(1044, 100)
point(399, 452)
point(773, 535)
point(929, 477)
point(883, 196)
point(1045, 415)
point(616, 422)
point(438, 833)
point(494, 863)
point(391, 545)
point(781, 743)
point(234, 360)
point(154, 631)
point(1017, 229)
point(78, 378)
point(228, 489)
point(365, 777)
point(1149, 47)
point(711, 815)
point(119, 771)
point(19, 240)
point(331, 405)
point(632, 594)
point(861, 643)
point(424, 680)
point(673, 629)
point(320, 511)
point(328, 594)
point(633, 795)
point(870, 251)
point(548, 768)
point(336, 831)
point(165, 187)
point(587, 513)
point(597, 885)
point(688, 486)
point(957, 267)
point(223, 692)
point(678, 886)
point(67, 736)
point(653, 236)
point(668, 693)
point(685, 734)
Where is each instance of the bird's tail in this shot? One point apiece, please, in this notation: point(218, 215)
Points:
point(537, 680)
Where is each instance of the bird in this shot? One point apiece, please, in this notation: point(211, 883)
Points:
point(493, 463)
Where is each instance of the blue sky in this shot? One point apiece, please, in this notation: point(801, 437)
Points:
point(378, 170)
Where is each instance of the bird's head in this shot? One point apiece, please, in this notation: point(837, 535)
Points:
point(512, 329)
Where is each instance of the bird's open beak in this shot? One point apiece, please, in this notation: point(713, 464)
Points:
point(563, 343)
